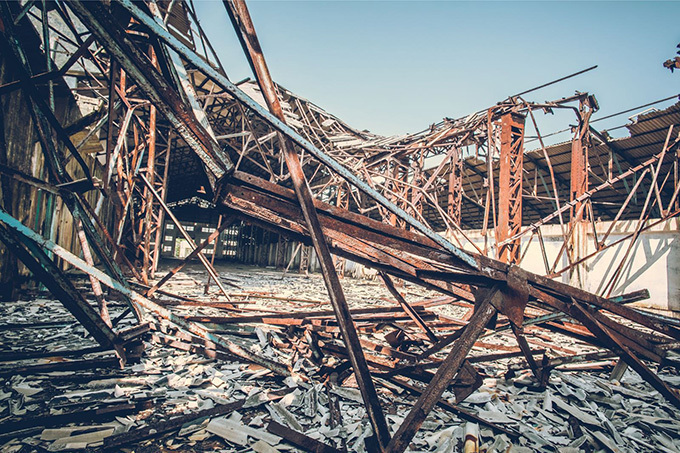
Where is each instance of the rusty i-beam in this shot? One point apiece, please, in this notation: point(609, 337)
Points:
point(577, 246)
point(240, 16)
point(162, 95)
point(400, 252)
point(455, 189)
point(510, 186)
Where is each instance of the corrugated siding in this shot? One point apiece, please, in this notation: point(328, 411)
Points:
point(22, 152)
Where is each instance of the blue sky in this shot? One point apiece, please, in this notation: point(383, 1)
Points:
point(396, 67)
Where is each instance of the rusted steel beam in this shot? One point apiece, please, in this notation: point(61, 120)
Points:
point(510, 187)
point(458, 277)
point(220, 228)
point(111, 111)
point(148, 267)
point(244, 181)
point(445, 373)
point(264, 318)
point(566, 360)
point(162, 95)
point(526, 350)
point(162, 192)
point(407, 308)
point(96, 287)
point(176, 66)
point(577, 242)
point(628, 298)
point(70, 365)
point(455, 189)
point(282, 127)
point(38, 78)
point(117, 252)
point(238, 12)
point(299, 439)
point(33, 256)
point(27, 179)
point(441, 344)
point(483, 175)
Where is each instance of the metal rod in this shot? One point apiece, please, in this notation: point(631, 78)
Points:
point(407, 308)
point(554, 81)
point(211, 270)
point(243, 25)
point(279, 125)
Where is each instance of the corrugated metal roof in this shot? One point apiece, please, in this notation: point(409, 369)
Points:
point(647, 136)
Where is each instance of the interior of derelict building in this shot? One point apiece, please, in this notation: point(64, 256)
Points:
point(194, 263)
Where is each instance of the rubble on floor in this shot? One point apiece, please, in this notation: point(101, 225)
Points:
point(184, 394)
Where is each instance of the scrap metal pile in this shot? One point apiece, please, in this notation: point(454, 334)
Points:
point(371, 201)
point(189, 394)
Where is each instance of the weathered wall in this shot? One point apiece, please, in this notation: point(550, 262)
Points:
point(243, 243)
point(19, 149)
point(653, 263)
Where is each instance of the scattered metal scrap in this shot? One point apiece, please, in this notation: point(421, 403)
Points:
point(187, 393)
point(359, 196)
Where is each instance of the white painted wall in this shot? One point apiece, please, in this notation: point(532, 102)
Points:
point(652, 264)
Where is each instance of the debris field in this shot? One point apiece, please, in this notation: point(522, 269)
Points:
point(194, 263)
point(186, 394)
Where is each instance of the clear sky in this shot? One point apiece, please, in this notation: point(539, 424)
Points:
point(394, 67)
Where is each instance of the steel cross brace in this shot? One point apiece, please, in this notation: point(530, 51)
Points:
point(44, 121)
point(244, 27)
point(163, 96)
point(32, 254)
point(160, 31)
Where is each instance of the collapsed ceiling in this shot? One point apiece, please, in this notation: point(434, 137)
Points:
point(172, 127)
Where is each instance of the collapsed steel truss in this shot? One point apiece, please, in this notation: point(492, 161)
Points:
point(286, 165)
